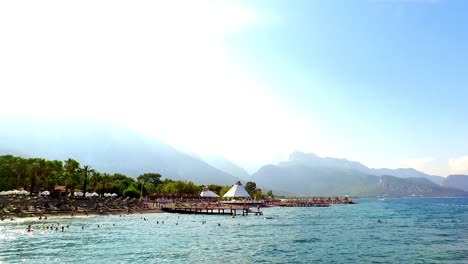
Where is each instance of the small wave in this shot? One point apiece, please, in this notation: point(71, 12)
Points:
point(308, 240)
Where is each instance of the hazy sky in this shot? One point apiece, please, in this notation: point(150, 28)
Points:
point(383, 82)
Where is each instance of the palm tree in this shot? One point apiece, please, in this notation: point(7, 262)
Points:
point(85, 170)
point(55, 174)
point(19, 167)
point(105, 181)
point(72, 175)
point(95, 179)
point(37, 170)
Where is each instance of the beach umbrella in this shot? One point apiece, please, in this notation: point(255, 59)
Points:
point(23, 192)
point(94, 194)
point(2, 193)
point(114, 195)
point(45, 193)
point(87, 194)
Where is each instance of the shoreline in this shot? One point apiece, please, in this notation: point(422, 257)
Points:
point(74, 214)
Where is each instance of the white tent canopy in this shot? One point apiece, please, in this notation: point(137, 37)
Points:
point(208, 193)
point(237, 191)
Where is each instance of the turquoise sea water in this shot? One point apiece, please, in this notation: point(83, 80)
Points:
point(416, 231)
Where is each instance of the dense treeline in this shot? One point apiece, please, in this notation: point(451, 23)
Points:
point(38, 174)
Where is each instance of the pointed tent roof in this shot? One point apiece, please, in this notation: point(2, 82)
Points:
point(208, 193)
point(237, 191)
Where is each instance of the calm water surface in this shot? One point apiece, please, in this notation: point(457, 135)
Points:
point(416, 231)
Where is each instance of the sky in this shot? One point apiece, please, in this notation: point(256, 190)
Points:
point(382, 82)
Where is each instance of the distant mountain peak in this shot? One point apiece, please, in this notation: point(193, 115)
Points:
point(299, 155)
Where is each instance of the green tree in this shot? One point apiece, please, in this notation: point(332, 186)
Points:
point(250, 187)
point(55, 169)
point(20, 170)
point(131, 191)
point(106, 179)
point(72, 175)
point(215, 188)
point(150, 182)
point(85, 171)
point(270, 194)
point(37, 170)
point(96, 178)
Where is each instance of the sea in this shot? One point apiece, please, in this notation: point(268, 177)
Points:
point(413, 230)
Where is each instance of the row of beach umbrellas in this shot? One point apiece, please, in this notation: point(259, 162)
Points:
point(14, 192)
point(94, 194)
point(47, 193)
point(22, 192)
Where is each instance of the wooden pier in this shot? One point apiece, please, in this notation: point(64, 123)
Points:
point(310, 202)
point(211, 211)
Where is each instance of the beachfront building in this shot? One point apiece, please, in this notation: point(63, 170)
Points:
point(208, 193)
point(237, 191)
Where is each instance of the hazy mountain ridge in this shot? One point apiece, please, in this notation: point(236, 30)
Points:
point(227, 166)
point(109, 148)
point(308, 174)
point(457, 181)
point(403, 187)
point(305, 180)
point(313, 160)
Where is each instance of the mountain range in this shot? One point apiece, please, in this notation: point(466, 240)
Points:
point(117, 149)
point(106, 147)
point(308, 174)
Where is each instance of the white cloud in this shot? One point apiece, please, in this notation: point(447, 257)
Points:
point(458, 165)
point(421, 164)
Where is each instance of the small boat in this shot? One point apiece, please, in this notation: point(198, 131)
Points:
point(268, 217)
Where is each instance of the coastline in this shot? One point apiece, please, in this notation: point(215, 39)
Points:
point(75, 214)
